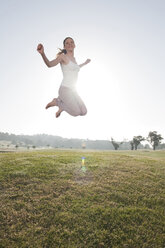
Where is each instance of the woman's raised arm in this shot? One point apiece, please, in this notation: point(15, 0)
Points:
point(85, 63)
point(54, 62)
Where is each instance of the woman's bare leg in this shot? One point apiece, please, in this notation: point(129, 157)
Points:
point(52, 103)
point(58, 113)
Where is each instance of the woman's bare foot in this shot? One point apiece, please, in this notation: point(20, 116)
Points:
point(52, 103)
point(58, 113)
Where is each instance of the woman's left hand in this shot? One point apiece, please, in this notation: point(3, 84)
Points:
point(87, 61)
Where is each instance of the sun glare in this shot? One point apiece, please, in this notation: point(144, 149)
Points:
point(99, 88)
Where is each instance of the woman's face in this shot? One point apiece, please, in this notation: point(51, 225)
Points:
point(69, 44)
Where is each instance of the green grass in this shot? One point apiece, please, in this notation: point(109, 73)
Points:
point(47, 200)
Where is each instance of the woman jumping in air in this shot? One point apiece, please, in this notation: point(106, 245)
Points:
point(68, 99)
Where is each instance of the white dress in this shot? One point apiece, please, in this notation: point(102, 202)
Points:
point(68, 99)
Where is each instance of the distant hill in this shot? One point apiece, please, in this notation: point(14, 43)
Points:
point(45, 140)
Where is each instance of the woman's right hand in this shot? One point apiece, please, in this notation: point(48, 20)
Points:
point(40, 48)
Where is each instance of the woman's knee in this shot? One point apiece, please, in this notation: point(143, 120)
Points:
point(77, 111)
point(83, 112)
point(74, 112)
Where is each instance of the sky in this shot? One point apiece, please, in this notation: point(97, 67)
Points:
point(123, 87)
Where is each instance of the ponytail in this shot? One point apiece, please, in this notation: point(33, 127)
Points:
point(61, 51)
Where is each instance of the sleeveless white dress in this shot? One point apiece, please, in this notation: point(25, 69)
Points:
point(70, 74)
point(68, 99)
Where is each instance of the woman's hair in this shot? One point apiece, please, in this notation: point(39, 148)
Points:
point(63, 50)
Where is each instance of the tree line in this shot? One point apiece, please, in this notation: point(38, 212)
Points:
point(153, 138)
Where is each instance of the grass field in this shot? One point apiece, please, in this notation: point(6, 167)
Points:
point(47, 199)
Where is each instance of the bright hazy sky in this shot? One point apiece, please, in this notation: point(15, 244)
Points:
point(123, 87)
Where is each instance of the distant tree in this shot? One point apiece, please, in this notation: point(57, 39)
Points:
point(34, 147)
point(137, 140)
point(132, 145)
point(147, 146)
point(115, 144)
point(154, 139)
point(16, 146)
